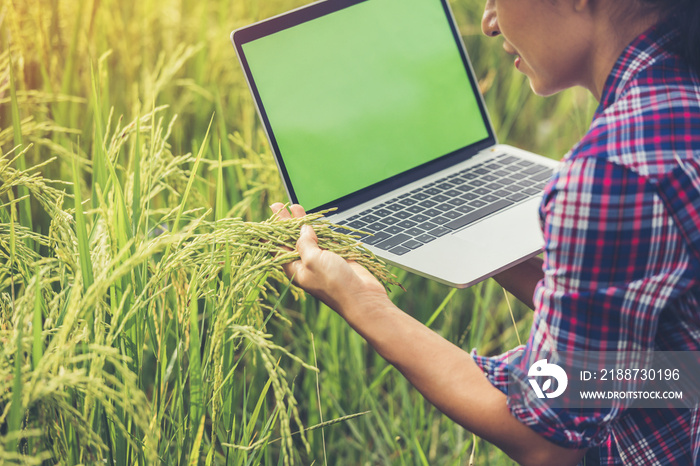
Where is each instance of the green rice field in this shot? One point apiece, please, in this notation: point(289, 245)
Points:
point(143, 316)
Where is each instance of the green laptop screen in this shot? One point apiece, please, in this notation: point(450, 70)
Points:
point(362, 94)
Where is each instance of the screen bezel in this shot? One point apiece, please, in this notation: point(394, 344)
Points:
point(316, 10)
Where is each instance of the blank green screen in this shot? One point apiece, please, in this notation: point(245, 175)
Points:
point(363, 94)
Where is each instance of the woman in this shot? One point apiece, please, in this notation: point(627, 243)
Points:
point(621, 221)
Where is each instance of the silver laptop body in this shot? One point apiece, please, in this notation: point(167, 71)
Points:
point(371, 106)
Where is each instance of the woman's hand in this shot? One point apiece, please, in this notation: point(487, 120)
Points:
point(325, 275)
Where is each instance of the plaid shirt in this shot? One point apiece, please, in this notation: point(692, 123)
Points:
point(621, 222)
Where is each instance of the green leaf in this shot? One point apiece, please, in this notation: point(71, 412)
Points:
point(25, 207)
point(195, 367)
point(37, 322)
point(81, 231)
point(99, 175)
point(15, 417)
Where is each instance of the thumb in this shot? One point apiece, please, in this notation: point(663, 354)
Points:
point(308, 241)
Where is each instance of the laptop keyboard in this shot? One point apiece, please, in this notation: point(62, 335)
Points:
point(420, 216)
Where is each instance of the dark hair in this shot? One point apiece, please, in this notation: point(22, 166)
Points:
point(685, 14)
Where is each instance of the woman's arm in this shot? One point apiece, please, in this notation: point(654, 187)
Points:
point(444, 373)
point(521, 280)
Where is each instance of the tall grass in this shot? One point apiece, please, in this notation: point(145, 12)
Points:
point(142, 319)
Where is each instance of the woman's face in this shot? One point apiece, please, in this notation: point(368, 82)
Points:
point(552, 40)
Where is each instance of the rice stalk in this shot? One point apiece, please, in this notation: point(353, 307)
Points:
point(83, 320)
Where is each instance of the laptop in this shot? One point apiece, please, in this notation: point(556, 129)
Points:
point(372, 107)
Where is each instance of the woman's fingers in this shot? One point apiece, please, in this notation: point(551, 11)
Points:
point(307, 247)
point(307, 244)
point(283, 214)
point(297, 210)
point(279, 210)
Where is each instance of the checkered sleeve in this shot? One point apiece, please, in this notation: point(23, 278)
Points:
point(608, 268)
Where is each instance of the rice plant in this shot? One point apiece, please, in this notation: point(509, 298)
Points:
point(122, 338)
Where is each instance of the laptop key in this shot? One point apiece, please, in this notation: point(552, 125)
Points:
point(357, 224)
point(427, 226)
point(545, 175)
point(432, 212)
point(440, 220)
point(464, 187)
point(444, 207)
point(440, 198)
point(465, 209)
point(427, 203)
point(439, 231)
point(412, 244)
point(382, 212)
point(414, 231)
point(517, 197)
point(420, 218)
point(390, 220)
point(393, 230)
point(535, 169)
point(415, 209)
point(374, 227)
point(419, 196)
point(512, 179)
point(498, 184)
point(392, 242)
point(407, 224)
point(452, 214)
point(399, 250)
point(376, 238)
point(402, 214)
point(478, 214)
point(424, 238)
point(395, 207)
point(370, 218)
